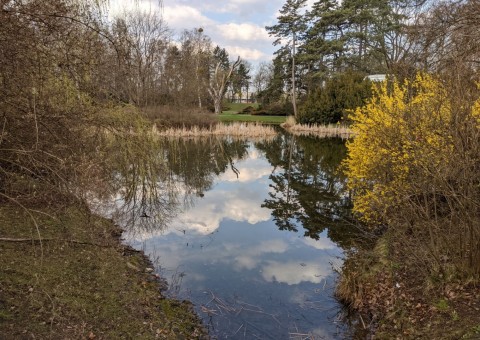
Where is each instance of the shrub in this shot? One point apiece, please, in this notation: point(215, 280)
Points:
point(330, 103)
point(276, 109)
point(248, 110)
point(414, 166)
point(178, 116)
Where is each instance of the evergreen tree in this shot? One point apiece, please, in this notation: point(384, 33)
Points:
point(291, 23)
point(331, 103)
point(323, 41)
point(220, 55)
point(275, 87)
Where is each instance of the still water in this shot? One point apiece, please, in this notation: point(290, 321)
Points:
point(251, 233)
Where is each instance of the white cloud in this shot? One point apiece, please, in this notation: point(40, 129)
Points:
point(241, 8)
point(248, 40)
point(237, 204)
point(121, 6)
point(237, 25)
point(295, 272)
point(249, 258)
point(181, 17)
point(245, 262)
point(244, 32)
point(247, 53)
point(321, 244)
point(250, 170)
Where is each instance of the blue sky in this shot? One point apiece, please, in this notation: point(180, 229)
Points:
point(237, 25)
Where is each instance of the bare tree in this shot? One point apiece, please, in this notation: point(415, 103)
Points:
point(196, 49)
point(263, 76)
point(446, 37)
point(144, 37)
point(218, 83)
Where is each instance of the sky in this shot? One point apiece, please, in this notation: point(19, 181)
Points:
point(237, 25)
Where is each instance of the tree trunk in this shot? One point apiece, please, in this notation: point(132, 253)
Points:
point(217, 84)
point(294, 94)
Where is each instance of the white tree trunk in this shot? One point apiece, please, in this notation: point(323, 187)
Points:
point(218, 82)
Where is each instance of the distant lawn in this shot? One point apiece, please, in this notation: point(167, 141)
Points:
point(226, 116)
point(232, 114)
point(237, 107)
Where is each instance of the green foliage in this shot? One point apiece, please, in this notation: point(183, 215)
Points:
point(274, 89)
point(277, 109)
point(442, 305)
point(331, 103)
point(251, 118)
point(290, 21)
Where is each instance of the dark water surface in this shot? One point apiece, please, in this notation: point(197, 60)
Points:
point(250, 233)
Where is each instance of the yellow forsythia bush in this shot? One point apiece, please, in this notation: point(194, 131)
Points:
point(403, 140)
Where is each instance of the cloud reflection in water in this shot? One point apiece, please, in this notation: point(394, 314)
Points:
point(228, 245)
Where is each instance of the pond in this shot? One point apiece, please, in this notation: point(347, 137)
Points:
point(250, 232)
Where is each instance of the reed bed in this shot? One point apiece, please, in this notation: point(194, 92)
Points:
point(330, 130)
point(231, 130)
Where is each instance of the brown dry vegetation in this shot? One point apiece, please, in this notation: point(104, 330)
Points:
point(330, 130)
point(229, 130)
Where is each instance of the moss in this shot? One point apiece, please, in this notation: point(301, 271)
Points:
point(78, 284)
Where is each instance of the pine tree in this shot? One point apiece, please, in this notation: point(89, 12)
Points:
point(323, 41)
point(291, 23)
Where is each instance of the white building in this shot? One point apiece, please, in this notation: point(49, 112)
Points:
point(376, 77)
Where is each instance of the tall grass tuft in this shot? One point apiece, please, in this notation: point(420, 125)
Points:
point(330, 130)
point(231, 130)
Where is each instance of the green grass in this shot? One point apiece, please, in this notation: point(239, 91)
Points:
point(235, 117)
point(91, 288)
point(237, 107)
point(232, 115)
point(252, 118)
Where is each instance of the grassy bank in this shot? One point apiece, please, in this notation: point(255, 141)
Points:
point(80, 282)
point(233, 108)
point(232, 114)
point(235, 117)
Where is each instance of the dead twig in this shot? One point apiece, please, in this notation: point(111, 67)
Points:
point(40, 240)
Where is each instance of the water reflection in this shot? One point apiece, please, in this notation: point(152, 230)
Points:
point(152, 181)
point(308, 188)
point(250, 234)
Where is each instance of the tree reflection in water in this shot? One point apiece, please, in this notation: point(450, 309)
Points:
point(302, 191)
point(152, 183)
point(308, 189)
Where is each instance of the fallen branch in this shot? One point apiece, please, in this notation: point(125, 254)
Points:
point(7, 239)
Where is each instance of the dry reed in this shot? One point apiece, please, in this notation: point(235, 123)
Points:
point(330, 130)
point(232, 130)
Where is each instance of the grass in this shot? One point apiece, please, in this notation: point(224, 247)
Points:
point(85, 285)
point(232, 115)
point(392, 302)
point(276, 120)
point(238, 107)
